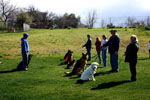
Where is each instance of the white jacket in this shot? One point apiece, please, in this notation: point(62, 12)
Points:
point(104, 42)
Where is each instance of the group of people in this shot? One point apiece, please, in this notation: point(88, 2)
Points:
point(113, 45)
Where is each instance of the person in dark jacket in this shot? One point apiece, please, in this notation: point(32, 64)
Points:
point(114, 44)
point(25, 51)
point(88, 46)
point(131, 56)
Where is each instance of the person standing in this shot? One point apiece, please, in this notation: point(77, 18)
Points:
point(88, 46)
point(25, 51)
point(131, 56)
point(98, 48)
point(113, 43)
point(149, 48)
point(104, 51)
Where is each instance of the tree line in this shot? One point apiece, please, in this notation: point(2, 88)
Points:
point(13, 18)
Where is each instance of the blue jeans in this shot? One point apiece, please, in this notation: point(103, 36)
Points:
point(114, 62)
point(104, 56)
point(24, 61)
point(89, 54)
point(99, 56)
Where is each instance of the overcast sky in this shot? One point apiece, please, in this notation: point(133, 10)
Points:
point(104, 8)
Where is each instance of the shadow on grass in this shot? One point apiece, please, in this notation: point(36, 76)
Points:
point(102, 73)
point(109, 85)
point(146, 58)
point(9, 71)
point(61, 64)
point(80, 82)
point(74, 77)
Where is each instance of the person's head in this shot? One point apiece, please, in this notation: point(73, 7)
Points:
point(97, 39)
point(25, 35)
point(149, 41)
point(88, 36)
point(104, 37)
point(134, 38)
point(113, 32)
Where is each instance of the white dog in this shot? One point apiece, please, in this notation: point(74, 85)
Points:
point(89, 72)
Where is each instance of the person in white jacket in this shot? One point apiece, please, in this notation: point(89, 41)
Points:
point(88, 74)
point(149, 48)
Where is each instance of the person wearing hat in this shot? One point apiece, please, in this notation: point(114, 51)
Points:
point(25, 51)
point(88, 46)
point(113, 47)
point(131, 56)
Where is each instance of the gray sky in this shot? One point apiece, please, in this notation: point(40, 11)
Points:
point(104, 8)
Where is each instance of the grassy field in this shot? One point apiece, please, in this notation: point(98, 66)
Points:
point(46, 80)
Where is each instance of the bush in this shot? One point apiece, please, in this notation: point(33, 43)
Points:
point(147, 28)
point(3, 27)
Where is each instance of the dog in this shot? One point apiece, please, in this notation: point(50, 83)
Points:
point(79, 66)
point(70, 64)
point(68, 57)
point(89, 72)
point(19, 67)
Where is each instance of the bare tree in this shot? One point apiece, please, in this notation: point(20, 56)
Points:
point(32, 8)
point(148, 21)
point(102, 23)
point(91, 19)
point(130, 21)
point(6, 10)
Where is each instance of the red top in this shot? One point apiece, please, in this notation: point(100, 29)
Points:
point(98, 45)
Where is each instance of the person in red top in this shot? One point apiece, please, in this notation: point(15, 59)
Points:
point(98, 48)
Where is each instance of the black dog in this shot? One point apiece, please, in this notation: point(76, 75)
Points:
point(19, 67)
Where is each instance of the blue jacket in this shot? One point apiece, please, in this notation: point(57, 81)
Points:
point(24, 45)
point(88, 44)
point(113, 44)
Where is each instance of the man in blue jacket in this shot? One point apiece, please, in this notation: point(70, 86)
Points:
point(88, 46)
point(113, 44)
point(25, 51)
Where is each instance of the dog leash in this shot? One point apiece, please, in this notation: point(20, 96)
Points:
point(120, 60)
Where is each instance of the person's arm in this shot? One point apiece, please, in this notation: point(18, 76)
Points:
point(117, 45)
point(85, 44)
point(106, 44)
point(100, 45)
point(26, 47)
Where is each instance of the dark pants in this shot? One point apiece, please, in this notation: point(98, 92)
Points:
point(133, 70)
point(89, 54)
point(114, 62)
point(25, 57)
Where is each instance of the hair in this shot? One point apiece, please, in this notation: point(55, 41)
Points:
point(104, 36)
point(89, 35)
point(98, 38)
point(135, 37)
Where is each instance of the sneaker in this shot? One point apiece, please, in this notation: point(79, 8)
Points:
point(131, 80)
point(26, 69)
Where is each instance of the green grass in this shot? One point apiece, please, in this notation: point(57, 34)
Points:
point(46, 80)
